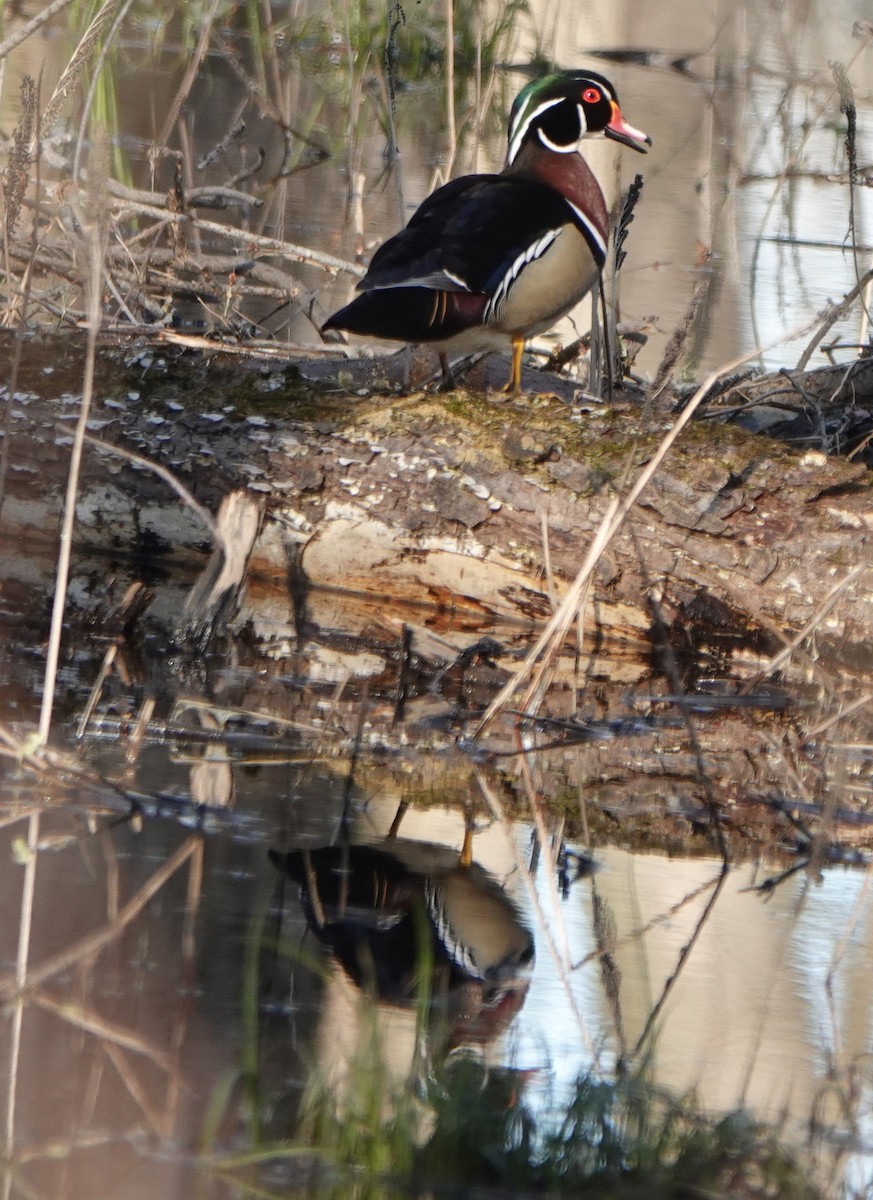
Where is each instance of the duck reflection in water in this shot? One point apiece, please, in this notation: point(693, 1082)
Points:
point(387, 911)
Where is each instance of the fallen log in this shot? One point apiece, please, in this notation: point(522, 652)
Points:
point(467, 504)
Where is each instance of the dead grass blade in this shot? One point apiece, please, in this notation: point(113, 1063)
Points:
point(191, 73)
point(97, 689)
point(96, 249)
point(134, 1088)
point(681, 961)
point(675, 348)
point(780, 659)
point(25, 926)
point(163, 473)
point(834, 313)
point(662, 918)
point(823, 726)
point(20, 161)
point(81, 56)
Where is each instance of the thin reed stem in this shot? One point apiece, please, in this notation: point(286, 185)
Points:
point(190, 75)
point(95, 83)
point(25, 925)
point(96, 249)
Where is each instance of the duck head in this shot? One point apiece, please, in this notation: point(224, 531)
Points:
point(559, 111)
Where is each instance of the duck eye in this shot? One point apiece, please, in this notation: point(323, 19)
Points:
point(591, 95)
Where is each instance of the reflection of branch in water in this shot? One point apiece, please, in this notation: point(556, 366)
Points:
point(660, 919)
point(772, 883)
point(84, 791)
point(792, 160)
point(671, 670)
point(684, 955)
point(610, 972)
point(578, 731)
point(12, 989)
point(135, 1089)
point(25, 930)
point(77, 1015)
point(815, 849)
point(847, 1068)
point(363, 712)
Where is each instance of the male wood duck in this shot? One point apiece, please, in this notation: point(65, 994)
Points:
point(373, 904)
point(490, 260)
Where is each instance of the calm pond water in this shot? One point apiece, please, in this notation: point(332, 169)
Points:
point(165, 970)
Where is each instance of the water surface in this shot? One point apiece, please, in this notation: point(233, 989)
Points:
point(176, 995)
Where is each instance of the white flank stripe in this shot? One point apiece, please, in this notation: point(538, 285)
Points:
point(535, 250)
point(460, 954)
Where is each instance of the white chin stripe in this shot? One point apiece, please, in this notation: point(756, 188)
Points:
point(550, 145)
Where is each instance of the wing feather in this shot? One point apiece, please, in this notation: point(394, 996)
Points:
point(467, 235)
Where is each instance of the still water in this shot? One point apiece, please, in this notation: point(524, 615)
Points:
point(163, 970)
point(134, 1041)
point(182, 993)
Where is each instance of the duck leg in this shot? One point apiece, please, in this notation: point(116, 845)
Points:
point(448, 383)
point(514, 385)
point(398, 817)
point(465, 858)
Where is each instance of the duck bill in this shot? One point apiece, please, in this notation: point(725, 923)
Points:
point(619, 130)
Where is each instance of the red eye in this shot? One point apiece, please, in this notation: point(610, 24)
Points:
point(592, 95)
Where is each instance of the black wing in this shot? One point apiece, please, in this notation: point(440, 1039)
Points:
point(467, 234)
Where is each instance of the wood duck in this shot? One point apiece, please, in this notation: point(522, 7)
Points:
point(489, 260)
point(372, 904)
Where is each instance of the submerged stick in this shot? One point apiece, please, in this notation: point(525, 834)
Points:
point(13, 988)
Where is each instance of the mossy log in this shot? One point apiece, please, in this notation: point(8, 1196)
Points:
point(471, 504)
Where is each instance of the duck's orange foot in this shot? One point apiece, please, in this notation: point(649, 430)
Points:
point(513, 387)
